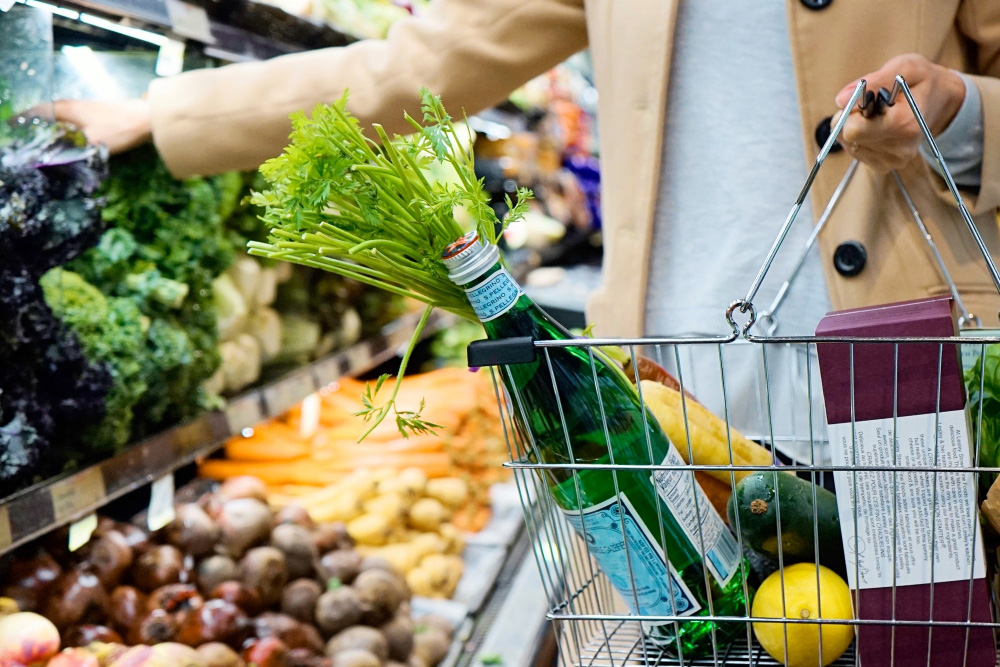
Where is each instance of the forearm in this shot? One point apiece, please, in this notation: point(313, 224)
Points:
point(471, 52)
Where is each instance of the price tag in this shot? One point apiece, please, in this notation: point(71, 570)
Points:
point(77, 493)
point(161, 502)
point(972, 351)
point(309, 417)
point(170, 58)
point(5, 535)
point(6, 4)
point(80, 531)
point(190, 21)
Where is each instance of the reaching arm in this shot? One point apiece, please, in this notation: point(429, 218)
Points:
point(471, 52)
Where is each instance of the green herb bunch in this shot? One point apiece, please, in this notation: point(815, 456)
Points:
point(367, 210)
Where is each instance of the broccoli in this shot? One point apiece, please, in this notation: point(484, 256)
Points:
point(111, 331)
point(165, 246)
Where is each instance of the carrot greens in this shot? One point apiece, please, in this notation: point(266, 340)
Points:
point(370, 210)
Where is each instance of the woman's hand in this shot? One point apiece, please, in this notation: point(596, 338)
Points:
point(120, 126)
point(890, 141)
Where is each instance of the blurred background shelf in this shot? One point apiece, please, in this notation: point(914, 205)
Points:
point(43, 507)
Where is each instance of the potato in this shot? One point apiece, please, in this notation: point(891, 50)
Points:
point(427, 514)
point(392, 506)
point(454, 542)
point(420, 582)
point(450, 491)
point(426, 544)
point(414, 479)
point(370, 529)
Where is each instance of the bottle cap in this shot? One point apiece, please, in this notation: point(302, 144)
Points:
point(467, 258)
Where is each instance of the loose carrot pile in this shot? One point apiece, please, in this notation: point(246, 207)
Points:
point(308, 467)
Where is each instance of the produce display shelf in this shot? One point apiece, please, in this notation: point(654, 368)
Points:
point(35, 511)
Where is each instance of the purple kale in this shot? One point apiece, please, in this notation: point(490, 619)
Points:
point(49, 214)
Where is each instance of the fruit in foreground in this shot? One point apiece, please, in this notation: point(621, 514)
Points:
point(26, 638)
point(802, 599)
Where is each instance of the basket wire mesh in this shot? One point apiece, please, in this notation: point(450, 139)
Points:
point(594, 625)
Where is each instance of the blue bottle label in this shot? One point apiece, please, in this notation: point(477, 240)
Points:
point(494, 296)
point(631, 559)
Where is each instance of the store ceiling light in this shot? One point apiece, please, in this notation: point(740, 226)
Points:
point(90, 68)
point(53, 9)
point(134, 33)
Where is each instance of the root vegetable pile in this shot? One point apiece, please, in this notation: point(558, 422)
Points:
point(227, 584)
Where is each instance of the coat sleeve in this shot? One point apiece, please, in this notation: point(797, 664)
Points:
point(471, 52)
point(979, 21)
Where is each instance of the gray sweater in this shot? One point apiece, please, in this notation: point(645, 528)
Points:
point(732, 166)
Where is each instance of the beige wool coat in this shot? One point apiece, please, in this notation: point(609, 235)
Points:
point(475, 52)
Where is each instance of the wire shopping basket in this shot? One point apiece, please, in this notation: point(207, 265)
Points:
point(908, 482)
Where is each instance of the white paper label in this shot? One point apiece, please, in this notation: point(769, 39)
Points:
point(309, 415)
point(170, 58)
point(955, 516)
point(6, 5)
point(688, 503)
point(161, 502)
point(80, 531)
point(624, 548)
point(190, 21)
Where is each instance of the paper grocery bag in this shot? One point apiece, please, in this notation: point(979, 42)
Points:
point(897, 403)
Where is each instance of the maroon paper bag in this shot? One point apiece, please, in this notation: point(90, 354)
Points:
point(898, 396)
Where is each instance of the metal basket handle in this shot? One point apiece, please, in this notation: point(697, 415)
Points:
point(871, 105)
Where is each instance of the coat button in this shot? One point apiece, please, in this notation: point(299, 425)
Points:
point(817, 4)
point(823, 133)
point(849, 258)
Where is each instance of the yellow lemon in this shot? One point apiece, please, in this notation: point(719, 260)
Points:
point(802, 599)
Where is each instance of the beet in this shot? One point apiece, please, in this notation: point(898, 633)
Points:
point(295, 514)
point(110, 555)
point(288, 630)
point(244, 523)
point(85, 635)
point(267, 652)
point(298, 600)
point(337, 610)
point(30, 580)
point(295, 542)
point(156, 627)
point(214, 570)
point(174, 598)
point(158, 567)
point(245, 598)
point(76, 597)
point(264, 571)
point(343, 565)
point(214, 621)
point(193, 531)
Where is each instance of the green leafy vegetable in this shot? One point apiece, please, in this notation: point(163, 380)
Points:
point(165, 246)
point(982, 382)
point(111, 332)
point(367, 210)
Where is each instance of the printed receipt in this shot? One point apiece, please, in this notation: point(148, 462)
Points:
point(955, 519)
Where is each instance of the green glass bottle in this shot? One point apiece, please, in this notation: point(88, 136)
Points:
point(629, 519)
